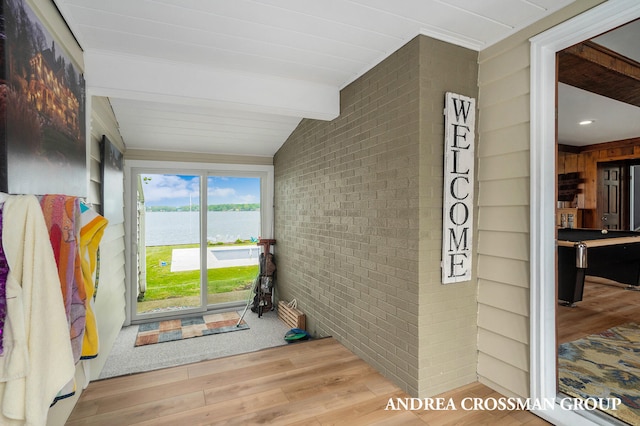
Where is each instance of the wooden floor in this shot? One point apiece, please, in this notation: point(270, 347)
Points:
point(312, 383)
point(604, 304)
point(315, 383)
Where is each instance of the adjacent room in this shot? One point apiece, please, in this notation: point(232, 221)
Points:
point(597, 216)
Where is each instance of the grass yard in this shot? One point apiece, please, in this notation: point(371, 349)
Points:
point(164, 284)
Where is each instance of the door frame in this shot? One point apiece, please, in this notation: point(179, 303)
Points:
point(265, 172)
point(542, 372)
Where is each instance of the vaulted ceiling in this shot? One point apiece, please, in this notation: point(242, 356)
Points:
point(237, 76)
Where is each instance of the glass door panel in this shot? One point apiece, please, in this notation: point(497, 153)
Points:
point(168, 218)
point(233, 228)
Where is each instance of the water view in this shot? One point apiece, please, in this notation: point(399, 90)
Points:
point(171, 228)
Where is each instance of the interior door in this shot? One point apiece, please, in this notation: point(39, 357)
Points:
point(609, 200)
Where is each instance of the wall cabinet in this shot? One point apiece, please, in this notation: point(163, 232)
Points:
point(569, 218)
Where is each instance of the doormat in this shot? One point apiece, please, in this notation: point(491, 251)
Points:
point(186, 328)
point(604, 365)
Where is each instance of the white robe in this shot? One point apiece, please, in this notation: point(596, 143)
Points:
point(38, 359)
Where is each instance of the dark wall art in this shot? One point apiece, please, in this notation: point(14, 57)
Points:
point(112, 173)
point(42, 109)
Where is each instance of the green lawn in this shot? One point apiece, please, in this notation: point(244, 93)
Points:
point(164, 284)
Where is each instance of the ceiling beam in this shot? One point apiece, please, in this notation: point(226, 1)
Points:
point(625, 143)
point(133, 77)
point(594, 68)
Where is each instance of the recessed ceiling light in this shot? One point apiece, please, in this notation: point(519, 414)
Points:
point(586, 122)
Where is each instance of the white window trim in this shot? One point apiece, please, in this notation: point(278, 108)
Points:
point(542, 245)
point(209, 169)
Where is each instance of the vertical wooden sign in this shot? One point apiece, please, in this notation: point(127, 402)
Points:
point(457, 215)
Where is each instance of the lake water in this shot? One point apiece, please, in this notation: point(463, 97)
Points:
point(168, 228)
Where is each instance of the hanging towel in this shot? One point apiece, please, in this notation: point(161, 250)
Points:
point(4, 271)
point(14, 364)
point(91, 231)
point(62, 216)
point(38, 362)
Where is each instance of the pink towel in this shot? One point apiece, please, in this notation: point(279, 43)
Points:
point(62, 216)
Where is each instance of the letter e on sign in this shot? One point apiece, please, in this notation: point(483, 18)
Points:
point(457, 214)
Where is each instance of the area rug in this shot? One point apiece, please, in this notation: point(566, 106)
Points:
point(604, 365)
point(186, 328)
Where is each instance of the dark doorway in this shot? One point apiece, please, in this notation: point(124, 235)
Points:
point(609, 195)
point(618, 203)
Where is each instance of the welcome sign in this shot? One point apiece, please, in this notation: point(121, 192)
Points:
point(457, 215)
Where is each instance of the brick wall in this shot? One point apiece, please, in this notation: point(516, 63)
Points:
point(356, 221)
point(448, 313)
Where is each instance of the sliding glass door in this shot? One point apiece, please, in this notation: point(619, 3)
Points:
point(195, 245)
point(233, 228)
point(168, 219)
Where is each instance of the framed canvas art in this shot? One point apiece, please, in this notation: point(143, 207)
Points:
point(42, 109)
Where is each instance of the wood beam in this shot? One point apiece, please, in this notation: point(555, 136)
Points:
point(622, 144)
point(592, 67)
point(571, 149)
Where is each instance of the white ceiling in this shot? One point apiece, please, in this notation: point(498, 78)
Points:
point(613, 120)
point(237, 76)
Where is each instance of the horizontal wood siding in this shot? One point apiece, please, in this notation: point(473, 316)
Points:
point(504, 349)
point(506, 297)
point(503, 207)
point(110, 296)
point(109, 302)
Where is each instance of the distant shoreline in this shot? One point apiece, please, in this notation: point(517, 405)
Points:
point(249, 207)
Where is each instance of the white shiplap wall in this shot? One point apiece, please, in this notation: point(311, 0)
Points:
point(110, 300)
point(110, 297)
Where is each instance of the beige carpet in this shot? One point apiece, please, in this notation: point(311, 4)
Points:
point(125, 358)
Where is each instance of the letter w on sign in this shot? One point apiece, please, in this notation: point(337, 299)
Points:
point(457, 214)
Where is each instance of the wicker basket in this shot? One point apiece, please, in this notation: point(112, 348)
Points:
point(291, 316)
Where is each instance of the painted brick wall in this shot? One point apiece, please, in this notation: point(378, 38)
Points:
point(447, 313)
point(357, 220)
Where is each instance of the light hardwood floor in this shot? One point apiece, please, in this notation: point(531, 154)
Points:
point(312, 383)
point(604, 304)
point(315, 383)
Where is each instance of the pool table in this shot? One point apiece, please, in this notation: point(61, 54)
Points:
point(614, 255)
